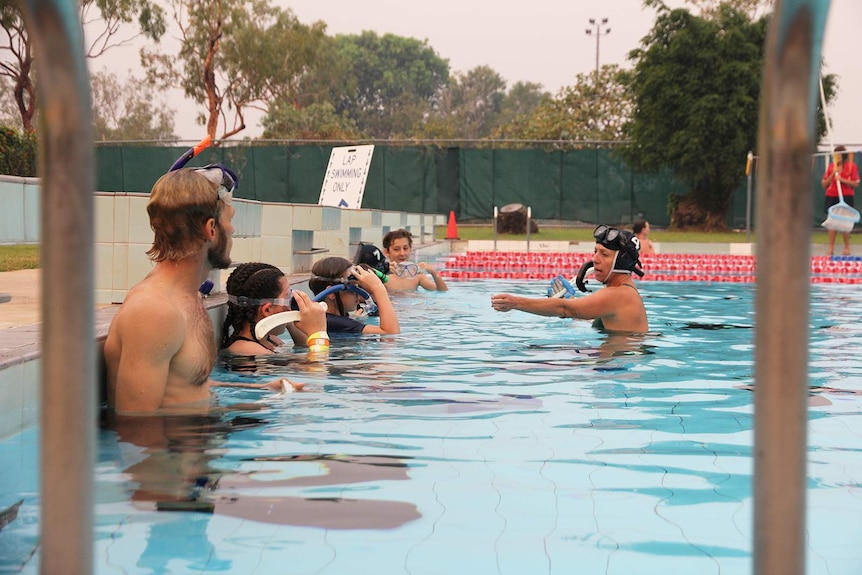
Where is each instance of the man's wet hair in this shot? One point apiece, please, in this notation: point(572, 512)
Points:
point(395, 235)
point(180, 203)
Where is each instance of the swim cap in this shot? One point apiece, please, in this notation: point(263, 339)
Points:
point(627, 246)
point(370, 255)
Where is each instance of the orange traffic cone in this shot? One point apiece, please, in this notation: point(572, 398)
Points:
point(452, 228)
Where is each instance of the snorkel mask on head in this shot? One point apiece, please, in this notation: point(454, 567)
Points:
point(334, 285)
point(626, 247)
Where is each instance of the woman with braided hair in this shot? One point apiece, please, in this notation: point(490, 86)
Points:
point(255, 291)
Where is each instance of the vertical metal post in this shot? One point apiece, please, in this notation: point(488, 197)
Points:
point(68, 390)
point(749, 173)
point(495, 228)
point(529, 218)
point(785, 143)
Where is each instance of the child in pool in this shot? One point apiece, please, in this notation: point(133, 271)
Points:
point(258, 290)
point(406, 275)
point(348, 285)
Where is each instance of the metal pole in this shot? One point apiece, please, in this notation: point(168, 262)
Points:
point(495, 228)
point(597, 24)
point(598, 37)
point(749, 165)
point(68, 390)
point(785, 142)
point(529, 218)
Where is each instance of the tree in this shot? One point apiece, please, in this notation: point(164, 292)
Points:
point(279, 60)
point(9, 115)
point(16, 62)
point(710, 9)
point(520, 101)
point(237, 55)
point(591, 109)
point(106, 17)
point(128, 111)
point(392, 81)
point(287, 120)
point(696, 85)
point(468, 107)
point(202, 26)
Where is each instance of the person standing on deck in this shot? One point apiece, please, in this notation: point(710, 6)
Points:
point(842, 170)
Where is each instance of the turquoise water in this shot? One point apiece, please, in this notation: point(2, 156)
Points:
point(480, 442)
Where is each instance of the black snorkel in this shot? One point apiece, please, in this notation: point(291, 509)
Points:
point(626, 247)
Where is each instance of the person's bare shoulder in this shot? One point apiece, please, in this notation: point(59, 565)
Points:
point(148, 311)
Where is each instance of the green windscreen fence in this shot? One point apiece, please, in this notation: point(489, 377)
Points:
point(587, 185)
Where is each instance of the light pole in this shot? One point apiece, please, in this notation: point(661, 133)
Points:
point(596, 29)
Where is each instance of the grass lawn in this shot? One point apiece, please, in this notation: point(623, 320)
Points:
point(19, 257)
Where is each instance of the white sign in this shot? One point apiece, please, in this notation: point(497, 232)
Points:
point(344, 182)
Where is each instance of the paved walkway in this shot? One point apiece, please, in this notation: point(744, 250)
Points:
point(23, 307)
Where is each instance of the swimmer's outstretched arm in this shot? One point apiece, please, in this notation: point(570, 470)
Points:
point(552, 307)
point(592, 306)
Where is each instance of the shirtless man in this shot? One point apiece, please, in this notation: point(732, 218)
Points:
point(641, 230)
point(617, 307)
point(160, 347)
point(404, 274)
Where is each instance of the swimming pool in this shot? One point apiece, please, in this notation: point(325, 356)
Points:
point(480, 442)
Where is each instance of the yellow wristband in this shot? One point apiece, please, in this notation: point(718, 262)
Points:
point(318, 348)
point(319, 334)
point(317, 341)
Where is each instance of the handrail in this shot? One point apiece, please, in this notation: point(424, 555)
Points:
point(68, 390)
point(785, 143)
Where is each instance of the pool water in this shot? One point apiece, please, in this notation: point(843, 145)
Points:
point(479, 442)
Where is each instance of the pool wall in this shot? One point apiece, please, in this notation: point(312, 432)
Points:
point(286, 235)
point(20, 347)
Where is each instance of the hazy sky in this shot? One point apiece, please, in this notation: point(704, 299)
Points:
point(542, 41)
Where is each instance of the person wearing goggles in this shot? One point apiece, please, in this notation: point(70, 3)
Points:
point(255, 291)
point(343, 286)
point(616, 308)
point(407, 275)
point(160, 348)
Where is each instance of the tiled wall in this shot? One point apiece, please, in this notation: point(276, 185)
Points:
point(290, 236)
point(19, 218)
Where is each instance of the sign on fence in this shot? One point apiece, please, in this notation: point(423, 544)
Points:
point(344, 182)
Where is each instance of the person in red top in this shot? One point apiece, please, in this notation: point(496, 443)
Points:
point(842, 170)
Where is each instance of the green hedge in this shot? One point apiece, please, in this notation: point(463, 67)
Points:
point(17, 153)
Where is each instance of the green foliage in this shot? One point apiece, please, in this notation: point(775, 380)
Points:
point(469, 107)
point(393, 82)
point(712, 8)
point(696, 85)
point(520, 101)
point(112, 14)
point(313, 122)
point(591, 109)
point(274, 57)
point(17, 152)
point(128, 111)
